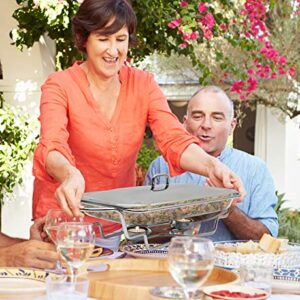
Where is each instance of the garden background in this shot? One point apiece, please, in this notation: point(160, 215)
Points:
point(250, 48)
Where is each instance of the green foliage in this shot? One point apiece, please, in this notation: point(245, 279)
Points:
point(228, 51)
point(289, 220)
point(146, 155)
point(17, 141)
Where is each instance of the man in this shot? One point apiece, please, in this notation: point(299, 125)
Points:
point(210, 117)
point(33, 253)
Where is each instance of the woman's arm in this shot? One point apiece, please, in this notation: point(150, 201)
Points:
point(196, 160)
point(72, 184)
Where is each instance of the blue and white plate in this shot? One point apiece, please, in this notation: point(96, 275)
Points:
point(21, 281)
point(286, 280)
point(140, 250)
point(289, 274)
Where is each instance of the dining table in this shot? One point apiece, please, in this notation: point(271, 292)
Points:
point(97, 271)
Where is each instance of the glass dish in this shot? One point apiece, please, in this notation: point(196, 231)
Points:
point(143, 206)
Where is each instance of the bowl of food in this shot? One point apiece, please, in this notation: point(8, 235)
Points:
point(233, 292)
point(268, 250)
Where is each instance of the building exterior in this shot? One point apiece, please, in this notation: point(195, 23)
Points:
point(277, 143)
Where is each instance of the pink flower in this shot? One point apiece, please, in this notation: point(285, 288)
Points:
point(207, 33)
point(202, 8)
point(194, 35)
point(238, 86)
point(186, 36)
point(183, 45)
point(268, 45)
point(282, 60)
point(183, 3)
point(282, 71)
point(242, 97)
point(250, 71)
point(208, 21)
point(175, 23)
point(274, 75)
point(292, 71)
point(263, 51)
point(223, 27)
point(252, 84)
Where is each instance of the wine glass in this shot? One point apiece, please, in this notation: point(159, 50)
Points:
point(75, 242)
point(190, 261)
point(53, 218)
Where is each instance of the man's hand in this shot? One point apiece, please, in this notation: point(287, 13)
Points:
point(33, 254)
point(37, 230)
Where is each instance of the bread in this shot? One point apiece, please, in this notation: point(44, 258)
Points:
point(269, 244)
point(226, 248)
point(247, 248)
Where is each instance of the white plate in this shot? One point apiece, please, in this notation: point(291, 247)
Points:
point(140, 251)
point(21, 281)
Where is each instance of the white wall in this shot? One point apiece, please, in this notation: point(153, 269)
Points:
point(23, 73)
point(292, 178)
point(278, 144)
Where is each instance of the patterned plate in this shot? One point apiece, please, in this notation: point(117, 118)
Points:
point(289, 274)
point(140, 250)
point(21, 281)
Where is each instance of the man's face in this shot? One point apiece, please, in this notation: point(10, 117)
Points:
point(209, 117)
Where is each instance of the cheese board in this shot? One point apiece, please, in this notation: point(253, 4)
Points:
point(131, 279)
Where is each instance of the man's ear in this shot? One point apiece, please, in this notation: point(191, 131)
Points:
point(233, 125)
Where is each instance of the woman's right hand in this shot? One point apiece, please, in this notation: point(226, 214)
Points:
point(69, 193)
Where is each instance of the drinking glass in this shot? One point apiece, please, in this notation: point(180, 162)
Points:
point(75, 242)
point(190, 261)
point(53, 218)
point(257, 275)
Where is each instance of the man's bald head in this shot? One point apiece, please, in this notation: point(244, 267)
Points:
point(210, 117)
point(219, 93)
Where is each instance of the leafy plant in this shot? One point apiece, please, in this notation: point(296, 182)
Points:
point(18, 139)
point(289, 220)
point(146, 155)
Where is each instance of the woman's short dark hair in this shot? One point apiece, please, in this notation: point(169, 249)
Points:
point(95, 15)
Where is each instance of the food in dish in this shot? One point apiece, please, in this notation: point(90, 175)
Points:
point(233, 292)
point(267, 244)
point(239, 295)
point(160, 215)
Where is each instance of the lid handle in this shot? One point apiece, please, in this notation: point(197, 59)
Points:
point(154, 180)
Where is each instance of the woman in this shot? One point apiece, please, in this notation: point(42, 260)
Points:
point(94, 114)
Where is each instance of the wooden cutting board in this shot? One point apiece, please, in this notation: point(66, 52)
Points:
point(131, 279)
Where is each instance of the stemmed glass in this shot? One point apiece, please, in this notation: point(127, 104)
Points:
point(75, 243)
point(55, 217)
point(190, 261)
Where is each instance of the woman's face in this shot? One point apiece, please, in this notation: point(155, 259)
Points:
point(107, 53)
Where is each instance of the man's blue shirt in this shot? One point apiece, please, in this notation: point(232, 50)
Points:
point(260, 200)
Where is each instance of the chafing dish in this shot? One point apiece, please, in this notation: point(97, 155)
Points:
point(147, 206)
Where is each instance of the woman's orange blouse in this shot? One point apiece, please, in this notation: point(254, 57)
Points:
point(104, 151)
